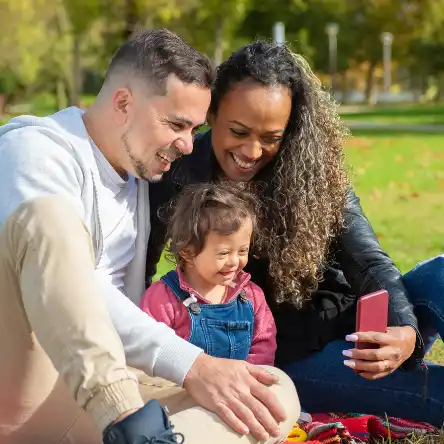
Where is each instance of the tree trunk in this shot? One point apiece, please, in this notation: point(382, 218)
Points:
point(76, 89)
point(440, 92)
point(370, 82)
point(2, 104)
point(131, 19)
point(344, 87)
point(219, 43)
point(62, 98)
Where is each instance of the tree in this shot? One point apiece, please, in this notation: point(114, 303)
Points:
point(427, 46)
point(81, 16)
point(23, 45)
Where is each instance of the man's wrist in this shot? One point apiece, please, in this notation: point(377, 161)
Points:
point(194, 369)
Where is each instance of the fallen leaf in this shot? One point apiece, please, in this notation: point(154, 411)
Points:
point(376, 194)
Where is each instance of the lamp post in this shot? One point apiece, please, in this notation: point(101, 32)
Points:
point(387, 40)
point(332, 30)
point(279, 33)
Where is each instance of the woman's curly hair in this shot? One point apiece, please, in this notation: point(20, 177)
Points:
point(304, 189)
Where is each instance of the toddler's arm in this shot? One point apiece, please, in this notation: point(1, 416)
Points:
point(263, 346)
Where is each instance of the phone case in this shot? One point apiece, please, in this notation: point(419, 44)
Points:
point(372, 315)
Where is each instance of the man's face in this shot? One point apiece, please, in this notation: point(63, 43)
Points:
point(158, 129)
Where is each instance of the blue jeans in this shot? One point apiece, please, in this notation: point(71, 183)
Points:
point(325, 385)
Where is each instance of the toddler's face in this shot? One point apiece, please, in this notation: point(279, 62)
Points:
point(224, 256)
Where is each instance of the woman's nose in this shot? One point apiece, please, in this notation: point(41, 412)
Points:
point(252, 150)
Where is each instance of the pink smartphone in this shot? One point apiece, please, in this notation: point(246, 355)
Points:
point(372, 315)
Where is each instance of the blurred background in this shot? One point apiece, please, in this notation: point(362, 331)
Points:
point(382, 59)
point(56, 51)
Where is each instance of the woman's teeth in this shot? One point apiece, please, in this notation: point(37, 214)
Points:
point(242, 163)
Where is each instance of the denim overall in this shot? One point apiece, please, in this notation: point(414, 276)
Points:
point(221, 330)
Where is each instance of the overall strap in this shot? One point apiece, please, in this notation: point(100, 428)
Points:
point(171, 279)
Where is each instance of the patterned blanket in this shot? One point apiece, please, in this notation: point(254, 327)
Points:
point(332, 428)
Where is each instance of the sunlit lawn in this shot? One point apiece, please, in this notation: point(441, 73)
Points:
point(400, 179)
point(412, 114)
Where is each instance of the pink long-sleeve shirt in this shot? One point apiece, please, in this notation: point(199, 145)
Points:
point(162, 304)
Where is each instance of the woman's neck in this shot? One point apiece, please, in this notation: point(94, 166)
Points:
point(210, 292)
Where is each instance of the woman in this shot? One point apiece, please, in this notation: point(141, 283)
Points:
point(274, 125)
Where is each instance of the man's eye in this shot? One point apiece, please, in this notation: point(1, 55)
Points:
point(176, 126)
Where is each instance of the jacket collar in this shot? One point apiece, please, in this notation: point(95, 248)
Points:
point(200, 166)
point(240, 282)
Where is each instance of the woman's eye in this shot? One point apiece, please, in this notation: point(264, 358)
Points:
point(238, 133)
point(272, 140)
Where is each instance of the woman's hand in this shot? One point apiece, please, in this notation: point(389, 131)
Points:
point(395, 347)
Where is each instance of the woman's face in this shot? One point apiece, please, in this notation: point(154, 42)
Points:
point(248, 128)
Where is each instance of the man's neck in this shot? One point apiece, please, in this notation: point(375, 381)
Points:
point(100, 136)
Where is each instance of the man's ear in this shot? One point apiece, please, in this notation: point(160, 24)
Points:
point(210, 118)
point(122, 101)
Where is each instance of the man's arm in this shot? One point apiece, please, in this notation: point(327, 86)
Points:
point(150, 346)
point(33, 165)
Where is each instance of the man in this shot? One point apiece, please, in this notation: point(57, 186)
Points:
point(74, 217)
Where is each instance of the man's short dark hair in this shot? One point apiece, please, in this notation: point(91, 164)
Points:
point(155, 54)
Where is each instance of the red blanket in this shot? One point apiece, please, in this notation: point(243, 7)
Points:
point(323, 428)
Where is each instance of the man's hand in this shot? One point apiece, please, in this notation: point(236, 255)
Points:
point(395, 347)
point(236, 391)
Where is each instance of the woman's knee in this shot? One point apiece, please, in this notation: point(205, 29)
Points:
point(426, 280)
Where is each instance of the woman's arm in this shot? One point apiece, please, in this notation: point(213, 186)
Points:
point(368, 268)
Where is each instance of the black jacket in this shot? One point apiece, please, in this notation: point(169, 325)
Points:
point(358, 266)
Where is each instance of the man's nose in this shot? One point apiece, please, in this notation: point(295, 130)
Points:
point(185, 144)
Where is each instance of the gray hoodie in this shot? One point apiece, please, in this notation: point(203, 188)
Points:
point(53, 155)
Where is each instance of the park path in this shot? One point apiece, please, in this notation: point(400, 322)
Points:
point(406, 127)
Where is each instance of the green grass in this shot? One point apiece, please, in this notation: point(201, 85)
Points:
point(412, 114)
point(400, 180)
point(427, 439)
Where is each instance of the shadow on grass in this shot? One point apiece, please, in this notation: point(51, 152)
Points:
point(426, 439)
point(386, 132)
point(407, 111)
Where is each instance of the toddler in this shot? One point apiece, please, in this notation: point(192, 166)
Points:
point(209, 300)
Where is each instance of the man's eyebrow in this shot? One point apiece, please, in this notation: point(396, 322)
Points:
point(184, 120)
